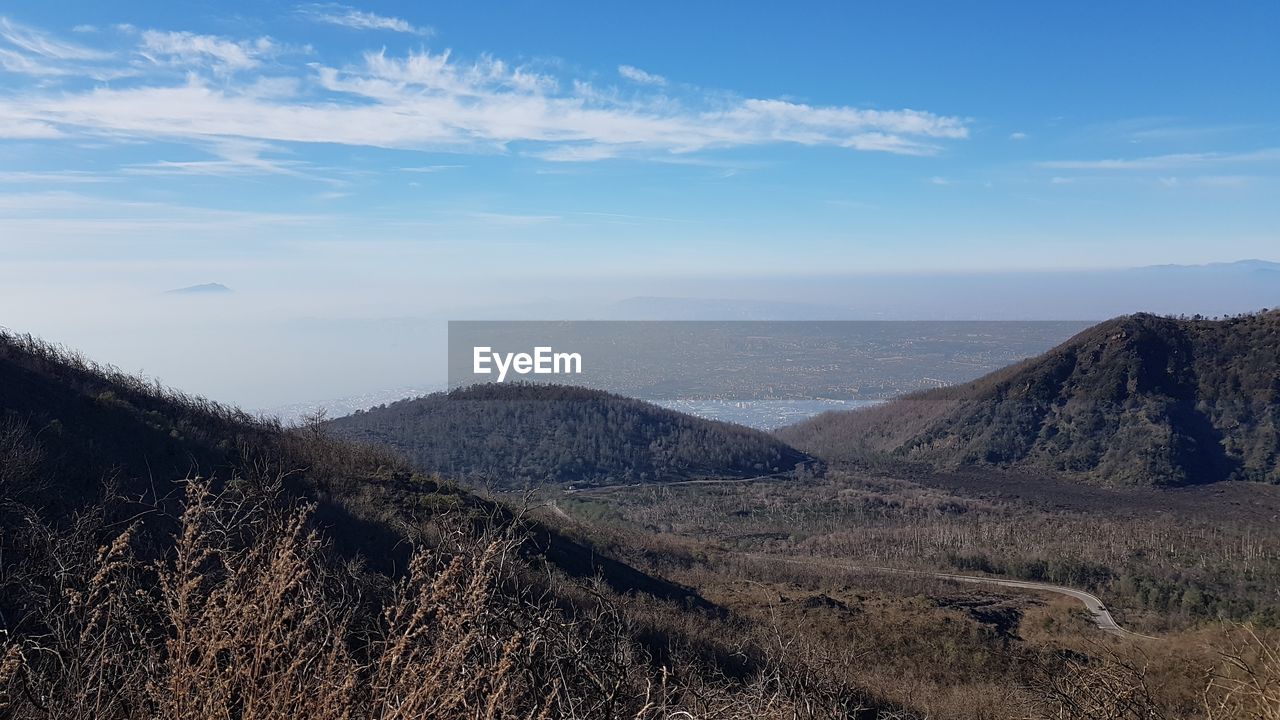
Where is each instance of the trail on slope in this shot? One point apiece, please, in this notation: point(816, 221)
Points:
point(1097, 609)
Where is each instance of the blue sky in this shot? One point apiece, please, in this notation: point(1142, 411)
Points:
point(384, 158)
point(885, 136)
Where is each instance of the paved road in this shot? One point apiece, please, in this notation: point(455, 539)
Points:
point(602, 489)
point(1101, 616)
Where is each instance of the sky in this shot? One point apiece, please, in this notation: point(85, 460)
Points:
point(384, 159)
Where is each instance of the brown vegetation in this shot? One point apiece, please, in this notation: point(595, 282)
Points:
point(788, 552)
point(312, 578)
point(1138, 400)
point(1158, 571)
point(249, 617)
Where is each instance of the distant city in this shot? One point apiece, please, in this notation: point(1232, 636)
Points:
point(762, 414)
point(762, 374)
point(338, 407)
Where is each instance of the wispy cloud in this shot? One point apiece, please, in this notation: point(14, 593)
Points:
point(430, 100)
point(20, 128)
point(635, 74)
point(1207, 181)
point(190, 49)
point(40, 177)
point(632, 218)
point(35, 42)
point(16, 62)
point(235, 157)
point(430, 168)
point(27, 51)
point(512, 219)
point(77, 216)
point(1164, 130)
point(349, 17)
point(1017, 136)
point(1168, 162)
point(578, 153)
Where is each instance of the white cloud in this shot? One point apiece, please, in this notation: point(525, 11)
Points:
point(37, 43)
point(349, 17)
point(236, 157)
point(494, 218)
point(1165, 129)
point(1166, 162)
point(13, 128)
point(635, 74)
point(31, 52)
point(426, 100)
point(16, 62)
point(76, 216)
point(1018, 136)
point(578, 153)
point(939, 180)
point(27, 177)
point(184, 48)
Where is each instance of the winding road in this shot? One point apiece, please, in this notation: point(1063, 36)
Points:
point(603, 489)
point(1101, 615)
point(1094, 605)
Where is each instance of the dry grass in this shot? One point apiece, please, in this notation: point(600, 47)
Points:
point(1246, 683)
point(247, 616)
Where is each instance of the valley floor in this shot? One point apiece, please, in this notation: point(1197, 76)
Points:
point(878, 569)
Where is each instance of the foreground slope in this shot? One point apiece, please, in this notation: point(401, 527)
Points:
point(1138, 400)
point(303, 576)
point(75, 435)
point(519, 434)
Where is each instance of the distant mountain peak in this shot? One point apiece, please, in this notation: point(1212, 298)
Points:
point(1245, 264)
point(212, 288)
point(1136, 400)
point(1254, 264)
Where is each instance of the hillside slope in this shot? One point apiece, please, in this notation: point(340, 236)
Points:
point(76, 436)
point(1138, 400)
point(305, 576)
point(516, 434)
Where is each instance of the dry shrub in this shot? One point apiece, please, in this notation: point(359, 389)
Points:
point(250, 630)
point(246, 615)
point(20, 458)
point(1246, 684)
point(1105, 685)
point(1116, 684)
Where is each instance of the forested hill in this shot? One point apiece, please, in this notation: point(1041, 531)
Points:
point(312, 577)
point(1137, 400)
point(522, 433)
point(81, 440)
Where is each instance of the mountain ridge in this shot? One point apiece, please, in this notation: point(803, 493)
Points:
point(210, 288)
point(1137, 400)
